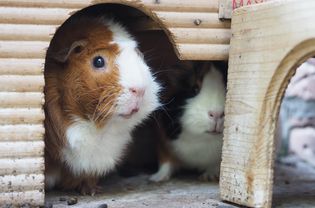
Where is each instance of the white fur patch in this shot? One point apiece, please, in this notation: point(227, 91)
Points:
point(97, 151)
point(195, 147)
point(134, 73)
point(164, 173)
point(198, 150)
point(92, 150)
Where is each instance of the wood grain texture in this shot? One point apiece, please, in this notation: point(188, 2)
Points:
point(201, 35)
point(14, 66)
point(173, 5)
point(203, 51)
point(34, 198)
point(21, 166)
point(188, 20)
point(14, 149)
point(27, 32)
point(22, 132)
point(33, 15)
point(22, 83)
point(226, 7)
point(21, 116)
point(26, 23)
point(23, 49)
point(21, 99)
point(265, 50)
point(23, 182)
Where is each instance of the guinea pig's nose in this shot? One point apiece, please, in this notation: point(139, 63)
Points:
point(216, 114)
point(139, 92)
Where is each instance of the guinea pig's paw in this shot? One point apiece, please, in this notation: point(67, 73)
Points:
point(164, 174)
point(209, 176)
point(159, 177)
point(89, 189)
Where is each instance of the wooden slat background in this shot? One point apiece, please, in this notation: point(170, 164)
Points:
point(23, 24)
point(26, 29)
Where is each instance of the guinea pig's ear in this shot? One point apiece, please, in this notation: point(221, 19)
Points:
point(76, 47)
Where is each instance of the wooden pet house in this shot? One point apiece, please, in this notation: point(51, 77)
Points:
point(268, 41)
point(26, 28)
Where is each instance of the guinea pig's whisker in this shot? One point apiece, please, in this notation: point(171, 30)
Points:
point(160, 71)
point(102, 99)
point(104, 96)
point(156, 120)
point(103, 109)
point(98, 113)
point(111, 109)
point(167, 114)
point(98, 103)
point(99, 88)
point(165, 104)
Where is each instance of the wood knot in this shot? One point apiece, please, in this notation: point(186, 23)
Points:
point(197, 21)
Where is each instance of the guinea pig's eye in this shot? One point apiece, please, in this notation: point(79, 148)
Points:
point(98, 62)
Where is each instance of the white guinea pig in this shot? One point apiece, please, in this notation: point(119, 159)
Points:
point(198, 144)
point(98, 88)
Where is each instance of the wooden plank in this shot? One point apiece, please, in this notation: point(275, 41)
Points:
point(21, 166)
point(182, 5)
point(56, 16)
point(166, 5)
point(203, 51)
point(46, 3)
point(192, 20)
point(33, 198)
point(23, 49)
point(47, 16)
point(21, 116)
point(257, 80)
point(21, 99)
point(22, 132)
point(19, 183)
point(22, 32)
point(226, 7)
point(201, 36)
point(21, 83)
point(13, 66)
point(21, 149)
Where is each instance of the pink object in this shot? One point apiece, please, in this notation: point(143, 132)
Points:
point(302, 143)
point(304, 89)
point(302, 83)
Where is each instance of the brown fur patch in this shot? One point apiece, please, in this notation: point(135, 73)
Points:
point(75, 89)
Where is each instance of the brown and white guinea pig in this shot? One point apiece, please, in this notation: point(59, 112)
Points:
point(98, 88)
point(193, 129)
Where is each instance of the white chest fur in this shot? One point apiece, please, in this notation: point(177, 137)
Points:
point(94, 151)
point(199, 151)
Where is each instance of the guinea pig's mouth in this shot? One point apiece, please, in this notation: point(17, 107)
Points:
point(129, 114)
